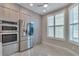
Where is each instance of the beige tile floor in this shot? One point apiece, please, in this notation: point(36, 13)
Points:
point(44, 50)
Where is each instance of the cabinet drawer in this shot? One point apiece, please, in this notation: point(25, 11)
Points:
point(9, 49)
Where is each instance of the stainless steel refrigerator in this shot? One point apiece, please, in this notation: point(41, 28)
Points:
point(26, 35)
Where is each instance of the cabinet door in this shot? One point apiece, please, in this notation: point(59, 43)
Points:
point(10, 49)
point(23, 24)
point(6, 14)
point(0, 37)
point(0, 27)
point(23, 45)
point(23, 16)
point(14, 15)
point(0, 48)
point(1, 13)
point(22, 28)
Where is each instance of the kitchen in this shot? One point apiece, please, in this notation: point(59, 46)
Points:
point(13, 24)
point(39, 29)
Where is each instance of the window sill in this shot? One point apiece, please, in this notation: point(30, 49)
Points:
point(52, 38)
point(60, 39)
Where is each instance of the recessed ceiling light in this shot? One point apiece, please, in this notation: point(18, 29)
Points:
point(44, 10)
point(31, 4)
point(45, 5)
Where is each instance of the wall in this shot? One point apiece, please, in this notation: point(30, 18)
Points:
point(65, 43)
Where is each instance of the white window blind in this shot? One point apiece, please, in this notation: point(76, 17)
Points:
point(50, 30)
point(74, 24)
point(59, 25)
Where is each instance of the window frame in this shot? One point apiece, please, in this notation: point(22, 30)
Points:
point(73, 24)
point(60, 25)
point(50, 26)
point(56, 38)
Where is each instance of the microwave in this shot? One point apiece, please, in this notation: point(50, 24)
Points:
point(9, 25)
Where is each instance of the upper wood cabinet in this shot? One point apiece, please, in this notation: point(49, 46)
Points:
point(1, 13)
point(14, 15)
point(8, 14)
point(23, 16)
point(10, 6)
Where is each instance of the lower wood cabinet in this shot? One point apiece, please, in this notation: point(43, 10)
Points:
point(0, 48)
point(9, 49)
point(23, 45)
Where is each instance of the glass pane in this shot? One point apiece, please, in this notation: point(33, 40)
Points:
point(59, 19)
point(71, 27)
point(74, 15)
point(59, 32)
point(71, 16)
point(50, 31)
point(50, 21)
point(75, 33)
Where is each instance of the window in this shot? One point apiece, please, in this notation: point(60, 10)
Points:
point(50, 22)
point(59, 25)
point(56, 26)
point(74, 24)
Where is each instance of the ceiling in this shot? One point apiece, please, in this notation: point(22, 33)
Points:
point(39, 9)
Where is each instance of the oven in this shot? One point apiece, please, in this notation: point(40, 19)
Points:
point(9, 38)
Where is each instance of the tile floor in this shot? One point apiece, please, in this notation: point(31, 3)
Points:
point(44, 50)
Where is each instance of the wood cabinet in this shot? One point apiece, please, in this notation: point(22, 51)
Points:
point(1, 13)
point(0, 49)
point(23, 16)
point(23, 45)
point(8, 14)
point(23, 21)
point(9, 49)
point(14, 15)
point(23, 37)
